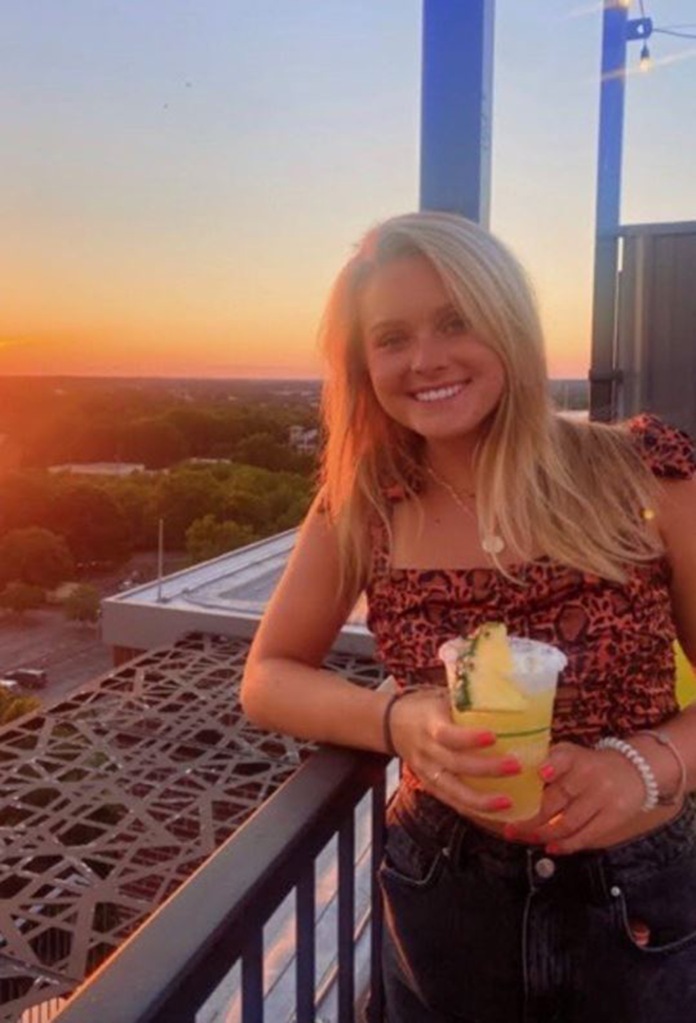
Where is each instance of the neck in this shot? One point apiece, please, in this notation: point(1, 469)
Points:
point(453, 465)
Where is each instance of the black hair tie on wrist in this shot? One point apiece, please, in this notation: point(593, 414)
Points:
point(386, 724)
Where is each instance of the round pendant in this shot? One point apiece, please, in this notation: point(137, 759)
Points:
point(493, 544)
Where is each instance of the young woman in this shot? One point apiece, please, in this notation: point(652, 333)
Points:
point(453, 494)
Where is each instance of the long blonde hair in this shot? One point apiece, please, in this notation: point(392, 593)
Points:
point(572, 490)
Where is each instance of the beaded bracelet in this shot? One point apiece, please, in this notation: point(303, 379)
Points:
point(386, 724)
point(665, 741)
point(652, 793)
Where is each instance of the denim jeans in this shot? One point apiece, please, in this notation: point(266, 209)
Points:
point(482, 930)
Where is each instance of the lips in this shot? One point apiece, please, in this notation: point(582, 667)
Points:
point(439, 393)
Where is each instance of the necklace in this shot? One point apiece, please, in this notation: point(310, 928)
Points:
point(491, 543)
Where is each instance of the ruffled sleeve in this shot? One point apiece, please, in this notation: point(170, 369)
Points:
point(668, 452)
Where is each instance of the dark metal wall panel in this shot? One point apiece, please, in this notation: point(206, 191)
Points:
point(656, 328)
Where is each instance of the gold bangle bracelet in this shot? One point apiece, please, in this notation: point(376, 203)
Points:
point(664, 740)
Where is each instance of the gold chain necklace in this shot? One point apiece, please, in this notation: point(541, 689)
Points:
point(491, 543)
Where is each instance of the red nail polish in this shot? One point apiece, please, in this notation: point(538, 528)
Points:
point(484, 739)
point(553, 848)
point(499, 803)
point(511, 765)
point(547, 772)
point(510, 832)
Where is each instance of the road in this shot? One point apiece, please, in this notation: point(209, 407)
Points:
point(72, 653)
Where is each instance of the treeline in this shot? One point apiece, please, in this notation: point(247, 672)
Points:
point(53, 525)
point(56, 526)
point(253, 435)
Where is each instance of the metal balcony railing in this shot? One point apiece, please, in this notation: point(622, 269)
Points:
point(168, 969)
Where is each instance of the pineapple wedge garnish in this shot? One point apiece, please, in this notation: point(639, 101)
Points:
point(485, 672)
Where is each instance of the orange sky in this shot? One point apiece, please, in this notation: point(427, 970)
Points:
point(186, 218)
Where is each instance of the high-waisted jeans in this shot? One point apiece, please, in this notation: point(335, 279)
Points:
point(483, 930)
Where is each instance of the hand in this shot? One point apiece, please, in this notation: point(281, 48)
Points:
point(590, 794)
point(443, 754)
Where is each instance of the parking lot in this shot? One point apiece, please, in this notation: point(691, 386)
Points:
point(69, 652)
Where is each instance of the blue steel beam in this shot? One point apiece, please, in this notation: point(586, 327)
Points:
point(605, 375)
point(456, 107)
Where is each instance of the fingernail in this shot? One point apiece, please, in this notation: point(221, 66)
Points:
point(499, 803)
point(547, 772)
point(510, 765)
point(510, 832)
point(553, 848)
point(484, 739)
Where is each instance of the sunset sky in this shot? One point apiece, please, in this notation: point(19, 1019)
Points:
point(183, 178)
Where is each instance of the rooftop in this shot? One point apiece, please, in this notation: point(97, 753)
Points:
point(225, 596)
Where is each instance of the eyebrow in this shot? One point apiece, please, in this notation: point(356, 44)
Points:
point(390, 324)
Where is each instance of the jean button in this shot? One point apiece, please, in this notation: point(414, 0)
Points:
point(545, 868)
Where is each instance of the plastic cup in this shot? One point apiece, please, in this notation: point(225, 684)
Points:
point(522, 733)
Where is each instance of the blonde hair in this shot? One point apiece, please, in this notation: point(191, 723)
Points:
point(574, 491)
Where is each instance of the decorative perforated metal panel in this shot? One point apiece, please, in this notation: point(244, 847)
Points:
point(113, 797)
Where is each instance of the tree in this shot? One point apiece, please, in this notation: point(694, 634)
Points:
point(134, 497)
point(36, 556)
point(184, 496)
point(26, 500)
point(13, 706)
point(206, 538)
point(91, 521)
point(154, 442)
point(20, 597)
point(83, 604)
point(263, 450)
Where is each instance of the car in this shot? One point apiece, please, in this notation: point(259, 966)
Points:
point(31, 678)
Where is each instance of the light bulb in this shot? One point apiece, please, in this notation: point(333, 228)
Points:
point(645, 62)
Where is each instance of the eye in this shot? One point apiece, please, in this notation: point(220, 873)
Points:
point(454, 323)
point(391, 339)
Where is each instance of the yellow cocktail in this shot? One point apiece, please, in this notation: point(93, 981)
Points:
point(524, 734)
point(507, 686)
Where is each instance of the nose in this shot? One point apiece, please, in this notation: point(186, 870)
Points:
point(427, 355)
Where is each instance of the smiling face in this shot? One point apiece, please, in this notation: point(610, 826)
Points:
point(429, 371)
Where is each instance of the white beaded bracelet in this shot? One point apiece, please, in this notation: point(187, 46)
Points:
point(652, 792)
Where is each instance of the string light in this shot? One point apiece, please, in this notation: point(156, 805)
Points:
point(646, 25)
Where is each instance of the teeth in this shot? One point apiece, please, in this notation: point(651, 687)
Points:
point(437, 394)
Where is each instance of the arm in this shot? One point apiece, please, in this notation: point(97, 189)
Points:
point(607, 792)
point(678, 527)
point(285, 688)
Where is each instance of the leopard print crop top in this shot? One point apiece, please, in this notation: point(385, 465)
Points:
point(618, 637)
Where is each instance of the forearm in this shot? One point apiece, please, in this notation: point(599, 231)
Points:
point(312, 703)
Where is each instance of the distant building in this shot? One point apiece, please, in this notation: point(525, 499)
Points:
point(208, 461)
point(303, 440)
point(99, 468)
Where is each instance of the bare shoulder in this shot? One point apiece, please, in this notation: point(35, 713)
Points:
point(307, 609)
